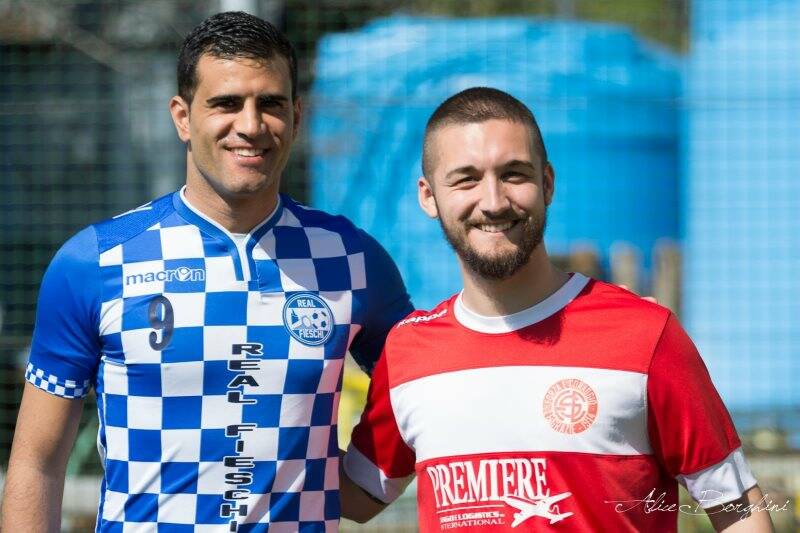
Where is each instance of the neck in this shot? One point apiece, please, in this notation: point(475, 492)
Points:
point(237, 214)
point(531, 284)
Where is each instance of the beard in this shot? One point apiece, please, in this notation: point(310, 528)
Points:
point(498, 266)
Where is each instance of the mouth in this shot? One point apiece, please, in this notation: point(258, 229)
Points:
point(248, 156)
point(497, 227)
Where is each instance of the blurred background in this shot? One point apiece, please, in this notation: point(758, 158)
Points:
point(673, 126)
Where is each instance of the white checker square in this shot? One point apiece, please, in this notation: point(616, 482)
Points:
point(114, 506)
point(265, 249)
point(331, 526)
point(180, 445)
point(220, 274)
point(331, 474)
point(270, 376)
point(265, 309)
point(288, 219)
point(188, 308)
point(115, 378)
point(298, 275)
point(354, 329)
point(211, 476)
point(116, 443)
point(318, 442)
point(257, 509)
point(298, 350)
point(111, 257)
point(139, 527)
point(136, 345)
point(218, 412)
point(177, 508)
point(181, 242)
point(290, 476)
point(261, 443)
point(358, 272)
point(296, 410)
point(144, 412)
point(324, 243)
point(217, 341)
point(284, 527)
point(111, 317)
point(144, 477)
point(182, 379)
point(138, 279)
point(341, 304)
point(312, 502)
point(331, 370)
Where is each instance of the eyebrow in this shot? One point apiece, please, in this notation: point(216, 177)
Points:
point(519, 163)
point(460, 170)
point(235, 97)
point(513, 163)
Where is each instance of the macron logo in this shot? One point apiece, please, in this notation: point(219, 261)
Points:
point(176, 274)
point(422, 318)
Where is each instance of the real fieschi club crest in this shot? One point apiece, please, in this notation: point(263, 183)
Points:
point(308, 319)
point(570, 406)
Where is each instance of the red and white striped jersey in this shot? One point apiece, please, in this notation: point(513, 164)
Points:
point(581, 413)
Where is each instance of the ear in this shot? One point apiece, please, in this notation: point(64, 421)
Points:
point(179, 109)
point(297, 109)
point(425, 196)
point(549, 183)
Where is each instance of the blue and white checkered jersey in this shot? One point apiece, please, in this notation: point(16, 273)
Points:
point(217, 362)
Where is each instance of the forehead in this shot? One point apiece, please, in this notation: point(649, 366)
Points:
point(242, 75)
point(486, 144)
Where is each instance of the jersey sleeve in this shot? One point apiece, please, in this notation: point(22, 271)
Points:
point(387, 302)
point(66, 345)
point(378, 459)
point(690, 429)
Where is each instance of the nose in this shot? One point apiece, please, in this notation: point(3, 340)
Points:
point(249, 121)
point(494, 200)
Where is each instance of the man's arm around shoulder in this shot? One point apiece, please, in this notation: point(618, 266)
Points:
point(44, 435)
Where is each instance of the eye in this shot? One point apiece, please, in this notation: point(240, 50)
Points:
point(225, 103)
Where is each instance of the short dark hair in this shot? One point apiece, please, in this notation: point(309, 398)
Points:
point(479, 104)
point(233, 34)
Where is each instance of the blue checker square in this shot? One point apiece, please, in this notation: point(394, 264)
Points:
point(269, 277)
point(216, 377)
point(315, 474)
point(141, 508)
point(266, 412)
point(335, 347)
point(135, 312)
point(302, 376)
point(167, 527)
point(293, 443)
point(263, 477)
point(107, 526)
point(332, 505)
point(333, 441)
point(214, 445)
point(111, 277)
point(144, 379)
point(146, 246)
point(112, 347)
point(144, 445)
point(116, 410)
point(179, 477)
point(291, 243)
point(254, 527)
point(274, 338)
point(117, 475)
point(208, 506)
point(284, 507)
point(181, 412)
point(186, 345)
point(186, 275)
point(311, 527)
point(226, 308)
point(214, 247)
point(322, 413)
point(333, 273)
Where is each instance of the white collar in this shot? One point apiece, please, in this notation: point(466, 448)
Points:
point(505, 324)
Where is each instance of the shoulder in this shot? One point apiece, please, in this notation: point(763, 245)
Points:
point(125, 226)
point(614, 302)
point(420, 323)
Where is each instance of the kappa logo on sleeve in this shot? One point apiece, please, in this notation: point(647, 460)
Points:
point(308, 319)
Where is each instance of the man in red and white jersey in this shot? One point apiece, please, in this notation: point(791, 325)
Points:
point(536, 400)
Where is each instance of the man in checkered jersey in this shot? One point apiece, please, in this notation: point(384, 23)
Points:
point(536, 400)
point(212, 323)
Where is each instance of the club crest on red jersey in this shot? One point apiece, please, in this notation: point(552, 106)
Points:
point(570, 406)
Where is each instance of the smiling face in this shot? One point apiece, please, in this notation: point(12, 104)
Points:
point(239, 126)
point(490, 191)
